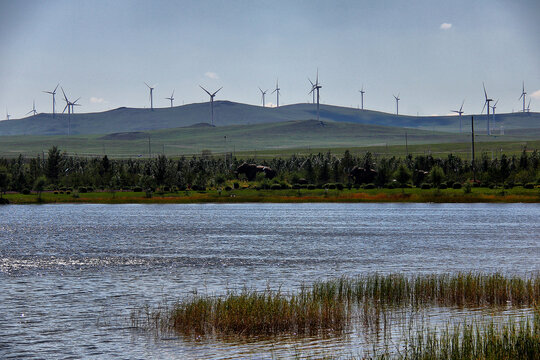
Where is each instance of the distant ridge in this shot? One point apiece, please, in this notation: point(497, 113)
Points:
point(126, 120)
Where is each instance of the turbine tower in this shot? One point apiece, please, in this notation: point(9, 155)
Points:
point(487, 101)
point(277, 93)
point(211, 100)
point(523, 94)
point(317, 86)
point(460, 112)
point(171, 98)
point(53, 100)
point(263, 93)
point(397, 103)
point(33, 109)
point(7, 114)
point(362, 92)
point(151, 96)
point(529, 106)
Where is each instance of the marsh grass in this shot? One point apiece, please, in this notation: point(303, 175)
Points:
point(333, 305)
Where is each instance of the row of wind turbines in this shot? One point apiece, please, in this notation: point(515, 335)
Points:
point(315, 92)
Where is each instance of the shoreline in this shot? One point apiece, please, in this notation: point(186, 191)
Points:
point(478, 195)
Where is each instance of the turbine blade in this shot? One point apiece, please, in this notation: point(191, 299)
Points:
point(205, 90)
point(217, 91)
point(63, 111)
point(54, 91)
point(485, 92)
point(481, 112)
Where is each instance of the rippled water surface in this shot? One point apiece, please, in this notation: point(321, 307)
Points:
point(70, 274)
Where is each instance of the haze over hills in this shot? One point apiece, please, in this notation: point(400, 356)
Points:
point(231, 113)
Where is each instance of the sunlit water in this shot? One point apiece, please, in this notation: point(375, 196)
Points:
point(70, 274)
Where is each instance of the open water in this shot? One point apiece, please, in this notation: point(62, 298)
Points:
point(71, 274)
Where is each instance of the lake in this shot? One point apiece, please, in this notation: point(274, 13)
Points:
point(71, 274)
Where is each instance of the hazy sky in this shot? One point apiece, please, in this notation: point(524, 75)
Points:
point(433, 53)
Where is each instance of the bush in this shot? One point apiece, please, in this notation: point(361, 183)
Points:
point(296, 186)
point(137, 189)
point(311, 187)
point(391, 185)
point(90, 189)
point(166, 189)
point(450, 184)
point(284, 186)
point(55, 192)
point(456, 186)
point(236, 185)
point(528, 186)
point(339, 186)
point(25, 191)
point(356, 186)
point(275, 187)
point(228, 188)
point(369, 186)
point(425, 186)
point(330, 186)
point(443, 186)
point(82, 190)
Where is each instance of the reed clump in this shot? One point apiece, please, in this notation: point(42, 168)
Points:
point(330, 305)
point(251, 313)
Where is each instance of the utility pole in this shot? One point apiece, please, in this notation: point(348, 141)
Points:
point(472, 137)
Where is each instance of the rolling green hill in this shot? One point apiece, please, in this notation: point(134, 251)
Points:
point(230, 113)
point(272, 138)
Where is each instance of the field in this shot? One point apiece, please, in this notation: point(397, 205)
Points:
point(280, 139)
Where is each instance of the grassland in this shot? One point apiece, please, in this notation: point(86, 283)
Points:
point(483, 195)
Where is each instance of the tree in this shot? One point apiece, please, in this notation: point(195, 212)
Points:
point(54, 162)
point(403, 175)
point(4, 180)
point(436, 176)
point(39, 185)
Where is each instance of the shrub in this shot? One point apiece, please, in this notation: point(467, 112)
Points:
point(90, 189)
point(311, 187)
point(330, 186)
point(284, 186)
point(456, 186)
point(296, 186)
point(82, 190)
point(425, 186)
point(356, 186)
point(528, 186)
point(55, 192)
point(236, 185)
point(467, 189)
point(228, 188)
point(450, 184)
point(339, 186)
point(443, 186)
point(275, 187)
point(369, 186)
point(166, 189)
point(137, 189)
point(25, 191)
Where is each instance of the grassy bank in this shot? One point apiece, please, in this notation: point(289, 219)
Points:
point(478, 195)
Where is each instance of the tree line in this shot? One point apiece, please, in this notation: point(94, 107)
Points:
point(57, 171)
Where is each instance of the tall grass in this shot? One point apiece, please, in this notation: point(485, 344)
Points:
point(330, 305)
point(511, 339)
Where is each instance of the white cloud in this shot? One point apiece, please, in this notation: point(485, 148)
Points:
point(211, 75)
point(96, 100)
point(536, 94)
point(446, 26)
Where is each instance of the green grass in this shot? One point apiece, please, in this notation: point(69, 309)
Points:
point(516, 194)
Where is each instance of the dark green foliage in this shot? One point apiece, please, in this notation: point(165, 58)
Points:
point(275, 187)
point(25, 191)
point(369, 186)
point(528, 186)
point(456, 186)
point(425, 186)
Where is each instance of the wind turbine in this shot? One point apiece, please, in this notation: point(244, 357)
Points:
point(397, 103)
point(212, 100)
point(362, 92)
point(317, 86)
point(33, 109)
point(277, 93)
point(523, 93)
point(312, 87)
point(487, 101)
point(53, 101)
point(460, 112)
point(263, 93)
point(70, 109)
point(151, 97)
point(171, 98)
point(7, 114)
point(529, 107)
point(493, 107)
